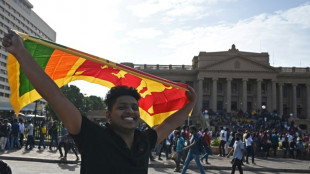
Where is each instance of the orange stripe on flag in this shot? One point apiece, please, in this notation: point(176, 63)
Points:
point(60, 63)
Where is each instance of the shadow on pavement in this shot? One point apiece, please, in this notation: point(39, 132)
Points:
point(69, 167)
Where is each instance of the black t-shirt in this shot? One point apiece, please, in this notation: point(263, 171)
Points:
point(103, 151)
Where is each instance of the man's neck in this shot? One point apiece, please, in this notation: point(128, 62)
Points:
point(125, 134)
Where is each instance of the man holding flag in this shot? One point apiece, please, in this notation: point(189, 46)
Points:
point(118, 148)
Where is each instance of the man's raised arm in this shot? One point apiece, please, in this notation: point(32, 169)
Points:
point(65, 110)
point(176, 119)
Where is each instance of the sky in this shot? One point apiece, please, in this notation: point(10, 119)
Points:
point(174, 31)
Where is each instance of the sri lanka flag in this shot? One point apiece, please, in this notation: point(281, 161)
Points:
point(159, 97)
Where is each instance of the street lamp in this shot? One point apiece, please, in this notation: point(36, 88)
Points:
point(262, 110)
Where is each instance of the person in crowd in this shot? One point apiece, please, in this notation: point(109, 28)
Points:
point(200, 132)
point(265, 142)
point(249, 148)
point(53, 131)
point(285, 146)
point(222, 142)
point(119, 144)
point(70, 145)
point(238, 150)
point(179, 150)
point(15, 134)
point(231, 140)
point(256, 144)
point(275, 142)
point(185, 135)
point(4, 133)
point(8, 141)
point(169, 144)
point(227, 138)
point(292, 145)
point(290, 137)
point(42, 135)
point(193, 152)
point(63, 141)
point(164, 147)
point(21, 132)
point(299, 148)
point(30, 137)
point(207, 146)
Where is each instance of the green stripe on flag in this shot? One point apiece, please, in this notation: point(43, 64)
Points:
point(41, 55)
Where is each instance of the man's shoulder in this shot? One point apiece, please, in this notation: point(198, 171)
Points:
point(240, 145)
point(146, 132)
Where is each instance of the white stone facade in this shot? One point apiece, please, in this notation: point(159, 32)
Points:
point(234, 80)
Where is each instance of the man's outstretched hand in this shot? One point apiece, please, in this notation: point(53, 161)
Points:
point(12, 42)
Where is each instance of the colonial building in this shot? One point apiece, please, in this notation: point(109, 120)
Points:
point(18, 15)
point(233, 81)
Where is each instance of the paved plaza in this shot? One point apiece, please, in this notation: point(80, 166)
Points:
point(269, 164)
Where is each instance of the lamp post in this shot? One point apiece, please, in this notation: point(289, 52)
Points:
point(263, 108)
point(35, 119)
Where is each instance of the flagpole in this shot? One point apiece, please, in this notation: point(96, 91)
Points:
point(98, 60)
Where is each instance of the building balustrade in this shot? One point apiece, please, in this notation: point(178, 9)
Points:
point(293, 69)
point(162, 67)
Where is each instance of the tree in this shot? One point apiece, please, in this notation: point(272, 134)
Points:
point(96, 103)
point(84, 104)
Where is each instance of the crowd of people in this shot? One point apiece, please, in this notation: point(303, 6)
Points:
point(12, 134)
point(262, 142)
point(292, 141)
point(182, 145)
point(13, 131)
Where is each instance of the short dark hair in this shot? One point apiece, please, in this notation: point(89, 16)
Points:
point(118, 91)
point(237, 136)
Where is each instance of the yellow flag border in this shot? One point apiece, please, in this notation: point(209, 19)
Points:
point(94, 59)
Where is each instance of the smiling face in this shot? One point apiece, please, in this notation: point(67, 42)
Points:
point(125, 113)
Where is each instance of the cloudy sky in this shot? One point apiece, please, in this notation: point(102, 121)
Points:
point(174, 31)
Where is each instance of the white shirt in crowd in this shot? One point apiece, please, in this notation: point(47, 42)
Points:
point(290, 138)
point(30, 129)
point(223, 135)
point(238, 146)
point(248, 141)
point(22, 128)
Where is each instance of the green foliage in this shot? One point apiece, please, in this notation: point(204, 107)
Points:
point(216, 141)
point(96, 103)
point(83, 103)
point(51, 112)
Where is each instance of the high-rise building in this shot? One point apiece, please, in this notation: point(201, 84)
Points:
point(18, 15)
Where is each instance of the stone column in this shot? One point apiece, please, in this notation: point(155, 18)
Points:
point(200, 95)
point(294, 85)
point(269, 96)
point(274, 95)
point(214, 94)
point(228, 97)
point(308, 100)
point(244, 95)
point(259, 94)
point(281, 100)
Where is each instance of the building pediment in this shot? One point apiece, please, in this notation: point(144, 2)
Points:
point(239, 63)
